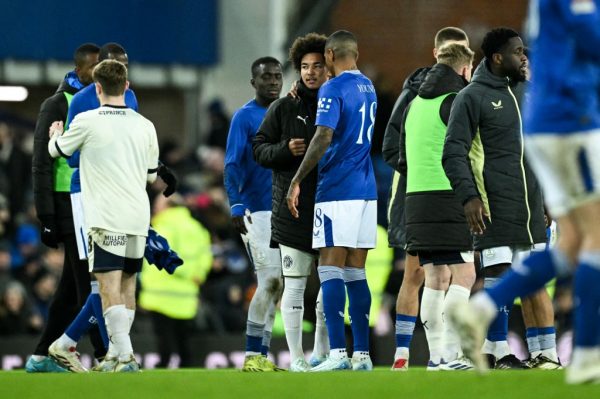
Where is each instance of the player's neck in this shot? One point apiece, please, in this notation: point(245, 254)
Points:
point(118, 101)
point(343, 66)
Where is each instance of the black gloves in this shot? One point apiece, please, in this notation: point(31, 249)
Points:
point(49, 231)
point(168, 177)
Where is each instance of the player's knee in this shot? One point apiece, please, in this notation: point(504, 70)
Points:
point(414, 278)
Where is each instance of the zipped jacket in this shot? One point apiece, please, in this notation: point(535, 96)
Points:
point(484, 157)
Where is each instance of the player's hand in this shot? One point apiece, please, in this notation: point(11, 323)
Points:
point(56, 127)
point(292, 198)
point(49, 231)
point(239, 225)
point(294, 89)
point(474, 213)
point(297, 147)
point(169, 178)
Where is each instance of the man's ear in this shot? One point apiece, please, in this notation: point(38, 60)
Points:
point(252, 82)
point(497, 58)
point(98, 88)
point(126, 85)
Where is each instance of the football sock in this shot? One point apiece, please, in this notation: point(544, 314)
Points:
point(292, 312)
point(533, 342)
point(526, 277)
point(359, 306)
point(321, 347)
point(455, 295)
point(260, 305)
point(432, 304)
point(117, 324)
point(405, 326)
point(97, 308)
point(130, 317)
point(334, 303)
point(266, 340)
point(547, 340)
point(83, 322)
point(587, 300)
point(498, 329)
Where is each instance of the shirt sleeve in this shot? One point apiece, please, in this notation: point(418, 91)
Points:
point(329, 107)
point(234, 175)
point(71, 140)
point(152, 155)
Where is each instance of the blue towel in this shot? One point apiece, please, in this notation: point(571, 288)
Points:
point(159, 253)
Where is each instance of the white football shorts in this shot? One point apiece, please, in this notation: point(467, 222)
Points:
point(79, 223)
point(499, 255)
point(296, 263)
point(258, 239)
point(568, 168)
point(351, 224)
point(109, 251)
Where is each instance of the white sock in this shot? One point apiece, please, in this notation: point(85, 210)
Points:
point(585, 357)
point(321, 348)
point(117, 326)
point(292, 313)
point(269, 324)
point(432, 305)
point(264, 296)
point(402, 353)
point(130, 317)
point(501, 349)
point(65, 342)
point(338, 354)
point(456, 295)
point(38, 358)
point(489, 347)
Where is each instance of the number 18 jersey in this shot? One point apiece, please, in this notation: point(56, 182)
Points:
point(347, 104)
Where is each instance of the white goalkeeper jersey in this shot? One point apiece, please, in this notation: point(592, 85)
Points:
point(119, 154)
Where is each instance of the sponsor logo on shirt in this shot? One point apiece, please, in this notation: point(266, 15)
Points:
point(112, 112)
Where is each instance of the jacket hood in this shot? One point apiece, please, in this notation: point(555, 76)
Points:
point(70, 84)
point(440, 80)
point(414, 81)
point(484, 76)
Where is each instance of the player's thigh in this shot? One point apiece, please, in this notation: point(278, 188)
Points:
point(296, 263)
point(338, 223)
point(258, 241)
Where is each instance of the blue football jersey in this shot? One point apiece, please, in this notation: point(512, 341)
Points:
point(564, 38)
point(347, 104)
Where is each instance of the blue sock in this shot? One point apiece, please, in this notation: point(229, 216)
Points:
point(405, 326)
point(498, 330)
point(525, 278)
point(334, 303)
point(83, 321)
point(359, 298)
point(254, 336)
point(533, 343)
point(587, 301)
point(99, 316)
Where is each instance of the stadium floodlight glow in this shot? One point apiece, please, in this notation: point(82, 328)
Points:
point(13, 93)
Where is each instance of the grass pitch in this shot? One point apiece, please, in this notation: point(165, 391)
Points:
point(381, 383)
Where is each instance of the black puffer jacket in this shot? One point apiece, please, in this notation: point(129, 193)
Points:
point(48, 203)
point(289, 118)
point(435, 219)
point(391, 152)
point(484, 157)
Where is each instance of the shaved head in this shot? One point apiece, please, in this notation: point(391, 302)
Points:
point(343, 44)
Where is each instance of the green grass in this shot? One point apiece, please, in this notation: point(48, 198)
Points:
point(381, 383)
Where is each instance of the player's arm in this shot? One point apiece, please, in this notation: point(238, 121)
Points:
point(64, 145)
point(153, 162)
point(462, 128)
point(402, 165)
point(234, 174)
point(318, 145)
point(391, 138)
point(268, 148)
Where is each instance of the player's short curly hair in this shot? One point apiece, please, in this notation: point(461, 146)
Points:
point(495, 40)
point(310, 43)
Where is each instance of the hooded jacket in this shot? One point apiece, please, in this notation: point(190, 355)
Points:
point(435, 219)
point(391, 153)
point(289, 118)
point(484, 157)
point(50, 203)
